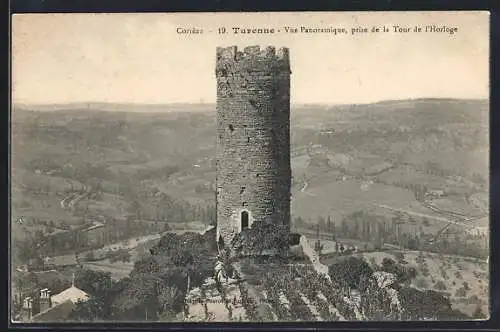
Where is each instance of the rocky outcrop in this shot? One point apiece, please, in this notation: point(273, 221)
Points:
point(313, 256)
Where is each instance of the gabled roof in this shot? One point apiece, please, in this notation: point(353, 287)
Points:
point(72, 294)
point(57, 313)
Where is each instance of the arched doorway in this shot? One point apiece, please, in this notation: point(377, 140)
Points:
point(244, 220)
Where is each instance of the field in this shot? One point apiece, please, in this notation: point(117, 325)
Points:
point(106, 161)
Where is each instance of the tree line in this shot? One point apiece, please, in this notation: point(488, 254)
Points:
point(377, 230)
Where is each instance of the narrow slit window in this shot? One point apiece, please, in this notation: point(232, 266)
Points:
point(244, 220)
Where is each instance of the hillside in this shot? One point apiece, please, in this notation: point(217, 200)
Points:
point(110, 161)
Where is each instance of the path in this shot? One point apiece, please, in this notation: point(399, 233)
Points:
point(423, 215)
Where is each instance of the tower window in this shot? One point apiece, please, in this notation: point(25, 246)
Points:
point(244, 220)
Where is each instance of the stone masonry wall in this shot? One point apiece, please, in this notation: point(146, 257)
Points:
point(253, 138)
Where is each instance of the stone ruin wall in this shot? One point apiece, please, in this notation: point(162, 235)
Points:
point(253, 138)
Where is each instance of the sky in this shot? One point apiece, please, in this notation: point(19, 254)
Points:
point(140, 58)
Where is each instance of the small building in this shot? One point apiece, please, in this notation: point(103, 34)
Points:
point(477, 231)
point(437, 193)
point(72, 294)
point(56, 308)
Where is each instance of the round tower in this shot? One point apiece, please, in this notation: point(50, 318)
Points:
point(253, 140)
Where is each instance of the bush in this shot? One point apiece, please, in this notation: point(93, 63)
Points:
point(421, 283)
point(402, 273)
point(350, 272)
point(473, 299)
point(427, 304)
point(461, 292)
point(478, 313)
point(440, 286)
point(89, 256)
point(121, 255)
point(399, 256)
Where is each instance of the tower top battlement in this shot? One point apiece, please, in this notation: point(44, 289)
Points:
point(253, 59)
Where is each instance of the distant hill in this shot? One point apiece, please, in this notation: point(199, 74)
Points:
point(155, 147)
point(119, 107)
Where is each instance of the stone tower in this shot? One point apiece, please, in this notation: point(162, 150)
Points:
point(253, 140)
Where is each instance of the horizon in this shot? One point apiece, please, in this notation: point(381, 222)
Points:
point(139, 58)
point(91, 103)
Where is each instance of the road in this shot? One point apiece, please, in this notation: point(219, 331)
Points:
point(423, 215)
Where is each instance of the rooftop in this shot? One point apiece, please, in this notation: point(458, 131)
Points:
point(72, 294)
point(56, 313)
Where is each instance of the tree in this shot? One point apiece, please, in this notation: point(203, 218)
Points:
point(350, 272)
point(166, 227)
point(427, 304)
point(478, 313)
point(344, 228)
point(318, 247)
point(95, 283)
point(329, 224)
point(440, 285)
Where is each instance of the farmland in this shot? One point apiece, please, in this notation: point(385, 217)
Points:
point(465, 280)
point(74, 166)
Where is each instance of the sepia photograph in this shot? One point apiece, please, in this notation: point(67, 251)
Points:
point(249, 167)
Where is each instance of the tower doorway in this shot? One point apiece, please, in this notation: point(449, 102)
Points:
point(244, 220)
point(220, 243)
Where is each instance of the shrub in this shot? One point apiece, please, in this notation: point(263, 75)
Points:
point(478, 313)
point(350, 272)
point(89, 256)
point(473, 299)
point(399, 256)
point(440, 285)
point(461, 292)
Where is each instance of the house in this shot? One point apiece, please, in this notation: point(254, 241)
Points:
point(438, 193)
point(478, 231)
point(58, 313)
point(56, 308)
